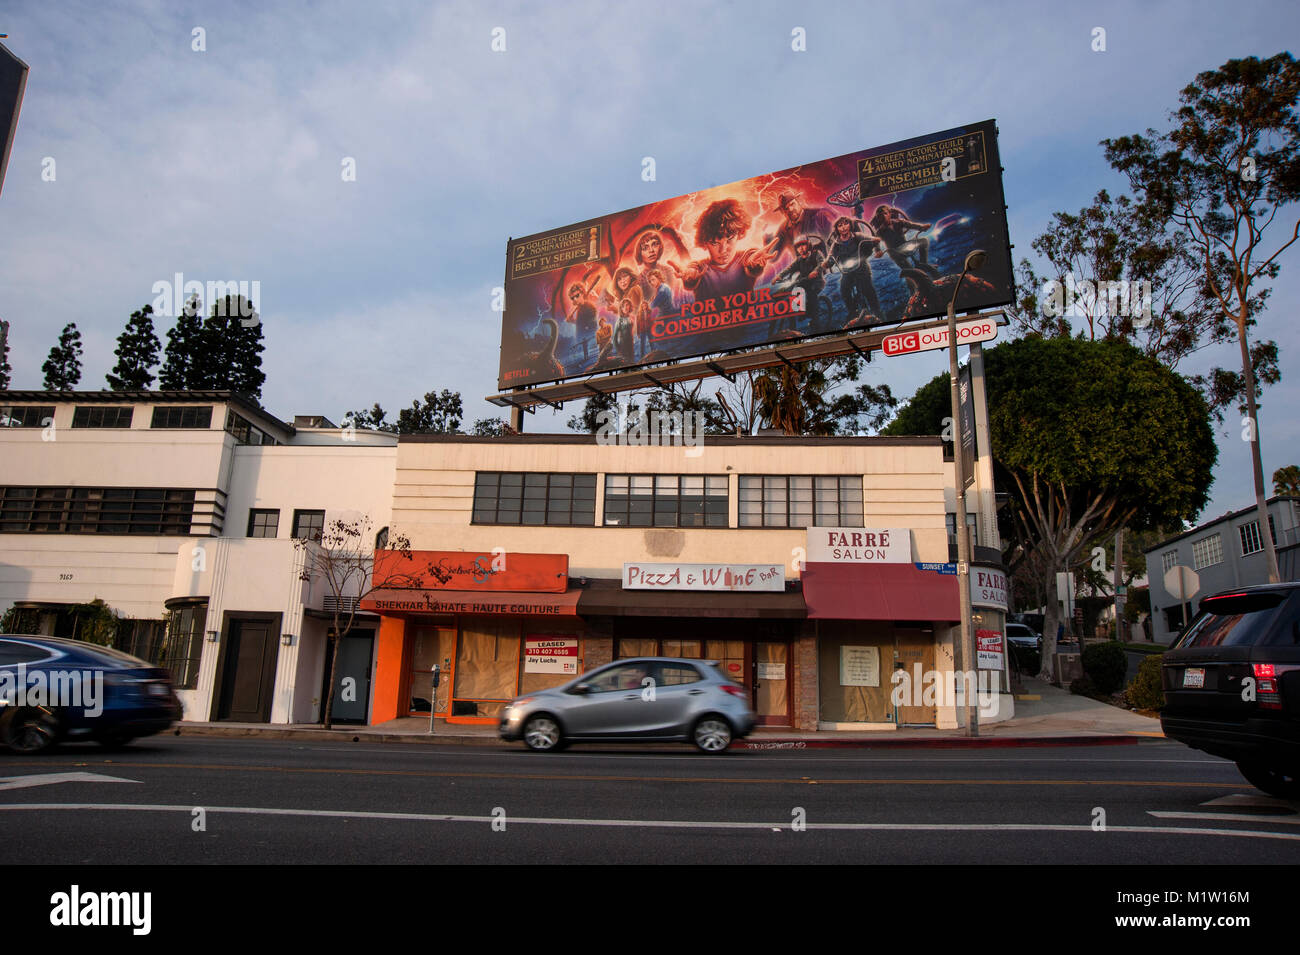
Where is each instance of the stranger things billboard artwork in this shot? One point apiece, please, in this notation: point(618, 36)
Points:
point(872, 238)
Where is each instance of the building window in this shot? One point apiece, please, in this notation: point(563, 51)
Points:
point(666, 500)
point(141, 638)
point(1168, 559)
point(1272, 531)
point(100, 417)
point(82, 510)
point(307, 525)
point(263, 523)
point(183, 645)
point(1250, 541)
point(800, 501)
point(951, 520)
point(565, 500)
point(182, 417)
point(245, 431)
point(1207, 551)
point(29, 416)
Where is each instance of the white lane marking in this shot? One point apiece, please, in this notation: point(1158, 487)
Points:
point(49, 779)
point(1252, 799)
point(657, 823)
point(1230, 816)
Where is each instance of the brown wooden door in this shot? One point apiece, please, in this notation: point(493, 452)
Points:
point(915, 651)
point(248, 677)
point(432, 645)
point(772, 683)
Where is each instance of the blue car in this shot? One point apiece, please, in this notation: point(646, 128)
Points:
point(54, 690)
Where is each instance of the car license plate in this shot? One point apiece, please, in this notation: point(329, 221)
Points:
point(1193, 678)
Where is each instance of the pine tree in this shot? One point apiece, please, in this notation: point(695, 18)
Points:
point(63, 367)
point(183, 341)
point(5, 370)
point(137, 353)
point(232, 348)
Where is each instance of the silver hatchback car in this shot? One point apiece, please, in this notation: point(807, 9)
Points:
point(646, 698)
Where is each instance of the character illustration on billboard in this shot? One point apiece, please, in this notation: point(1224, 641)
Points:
point(892, 226)
point(851, 251)
point(726, 271)
point(798, 219)
point(870, 238)
point(805, 273)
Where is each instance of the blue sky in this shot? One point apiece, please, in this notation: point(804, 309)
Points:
point(225, 164)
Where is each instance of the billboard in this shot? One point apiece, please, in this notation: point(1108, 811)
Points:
point(871, 238)
point(13, 80)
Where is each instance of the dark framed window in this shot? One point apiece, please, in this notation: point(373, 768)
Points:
point(186, 416)
point(951, 520)
point(92, 510)
point(800, 500)
point(26, 416)
point(666, 500)
point(97, 416)
point(141, 638)
point(516, 497)
point(263, 523)
point(245, 431)
point(182, 646)
point(308, 525)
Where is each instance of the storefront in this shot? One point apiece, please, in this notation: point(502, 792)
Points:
point(494, 624)
point(875, 612)
point(745, 616)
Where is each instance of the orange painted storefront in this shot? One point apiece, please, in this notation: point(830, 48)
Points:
point(474, 615)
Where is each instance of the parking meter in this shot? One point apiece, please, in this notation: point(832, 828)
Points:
point(433, 697)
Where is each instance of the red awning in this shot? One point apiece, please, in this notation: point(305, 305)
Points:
point(879, 592)
point(470, 601)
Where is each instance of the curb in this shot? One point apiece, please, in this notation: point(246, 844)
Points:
point(983, 742)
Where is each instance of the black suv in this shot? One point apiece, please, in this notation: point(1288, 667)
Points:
point(1232, 684)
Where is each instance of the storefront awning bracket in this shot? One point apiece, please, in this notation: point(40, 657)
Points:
point(719, 370)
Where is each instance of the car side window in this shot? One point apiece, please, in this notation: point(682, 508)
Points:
point(12, 653)
point(627, 677)
point(677, 674)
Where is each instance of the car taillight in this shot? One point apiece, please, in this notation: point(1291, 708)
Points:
point(733, 689)
point(1267, 690)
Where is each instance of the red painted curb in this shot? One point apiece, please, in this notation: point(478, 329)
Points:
point(948, 743)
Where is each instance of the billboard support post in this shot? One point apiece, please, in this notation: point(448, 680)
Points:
point(966, 656)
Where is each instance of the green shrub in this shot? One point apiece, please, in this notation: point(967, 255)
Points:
point(1082, 686)
point(1145, 692)
point(1106, 666)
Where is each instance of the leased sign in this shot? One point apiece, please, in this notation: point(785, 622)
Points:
point(905, 343)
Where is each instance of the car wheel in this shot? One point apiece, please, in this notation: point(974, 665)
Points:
point(1276, 782)
point(32, 731)
point(542, 734)
point(712, 734)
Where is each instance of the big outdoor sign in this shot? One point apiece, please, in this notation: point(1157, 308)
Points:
point(873, 237)
point(905, 343)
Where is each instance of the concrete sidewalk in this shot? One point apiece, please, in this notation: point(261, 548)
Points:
point(1045, 716)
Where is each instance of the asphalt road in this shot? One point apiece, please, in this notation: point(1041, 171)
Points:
point(196, 800)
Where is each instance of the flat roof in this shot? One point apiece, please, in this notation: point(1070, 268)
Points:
point(1231, 516)
point(242, 402)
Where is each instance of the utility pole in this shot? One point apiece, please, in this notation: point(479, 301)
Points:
point(1119, 583)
